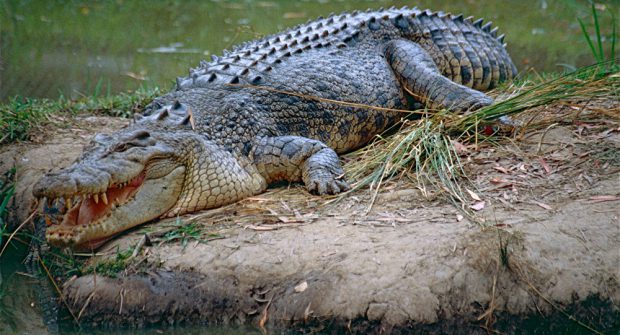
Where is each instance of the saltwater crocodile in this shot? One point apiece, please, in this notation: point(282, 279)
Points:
point(275, 109)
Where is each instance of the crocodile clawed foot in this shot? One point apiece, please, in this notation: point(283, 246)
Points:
point(324, 186)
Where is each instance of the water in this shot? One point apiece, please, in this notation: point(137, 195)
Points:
point(54, 48)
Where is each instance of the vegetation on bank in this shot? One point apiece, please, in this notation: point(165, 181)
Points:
point(422, 149)
point(20, 115)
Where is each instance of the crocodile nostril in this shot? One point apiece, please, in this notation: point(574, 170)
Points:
point(141, 135)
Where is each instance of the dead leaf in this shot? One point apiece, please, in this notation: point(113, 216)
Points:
point(459, 147)
point(500, 181)
point(602, 198)
point(301, 286)
point(543, 205)
point(544, 165)
point(478, 206)
point(473, 195)
point(280, 217)
point(501, 169)
point(260, 228)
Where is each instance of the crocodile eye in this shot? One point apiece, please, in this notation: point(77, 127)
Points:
point(121, 147)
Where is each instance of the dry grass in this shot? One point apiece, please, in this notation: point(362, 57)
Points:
point(426, 150)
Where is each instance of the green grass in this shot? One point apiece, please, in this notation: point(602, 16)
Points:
point(186, 232)
point(20, 116)
point(597, 49)
point(111, 267)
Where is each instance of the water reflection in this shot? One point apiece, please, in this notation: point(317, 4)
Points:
point(49, 48)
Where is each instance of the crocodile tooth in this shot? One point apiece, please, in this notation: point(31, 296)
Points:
point(68, 202)
point(163, 115)
point(104, 197)
point(96, 197)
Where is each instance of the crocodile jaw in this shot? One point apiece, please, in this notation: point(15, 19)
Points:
point(89, 224)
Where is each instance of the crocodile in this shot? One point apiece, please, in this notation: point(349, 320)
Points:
point(280, 108)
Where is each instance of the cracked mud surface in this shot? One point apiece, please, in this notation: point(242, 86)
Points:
point(286, 258)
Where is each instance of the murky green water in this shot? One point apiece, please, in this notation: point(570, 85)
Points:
point(48, 48)
point(53, 48)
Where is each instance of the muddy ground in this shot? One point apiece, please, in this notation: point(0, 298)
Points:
point(547, 252)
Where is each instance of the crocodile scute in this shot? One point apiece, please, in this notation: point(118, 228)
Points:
point(280, 108)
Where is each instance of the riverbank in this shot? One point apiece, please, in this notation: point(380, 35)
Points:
point(541, 243)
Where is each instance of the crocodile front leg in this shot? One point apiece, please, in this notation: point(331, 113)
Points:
point(295, 158)
point(421, 77)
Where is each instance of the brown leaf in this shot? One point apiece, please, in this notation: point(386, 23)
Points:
point(543, 205)
point(501, 169)
point(459, 147)
point(497, 181)
point(544, 165)
point(602, 198)
point(473, 195)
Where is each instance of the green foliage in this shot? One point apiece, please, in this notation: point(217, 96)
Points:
point(185, 232)
point(111, 267)
point(20, 116)
point(597, 50)
point(7, 189)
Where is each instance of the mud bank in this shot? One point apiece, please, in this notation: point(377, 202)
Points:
point(550, 245)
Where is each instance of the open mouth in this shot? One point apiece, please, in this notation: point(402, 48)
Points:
point(84, 210)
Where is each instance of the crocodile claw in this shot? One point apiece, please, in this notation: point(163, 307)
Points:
point(327, 186)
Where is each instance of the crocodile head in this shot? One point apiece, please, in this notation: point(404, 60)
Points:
point(141, 173)
point(118, 182)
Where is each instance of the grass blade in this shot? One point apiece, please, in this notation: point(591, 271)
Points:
point(588, 39)
point(599, 41)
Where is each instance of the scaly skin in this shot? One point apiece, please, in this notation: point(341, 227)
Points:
point(265, 112)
